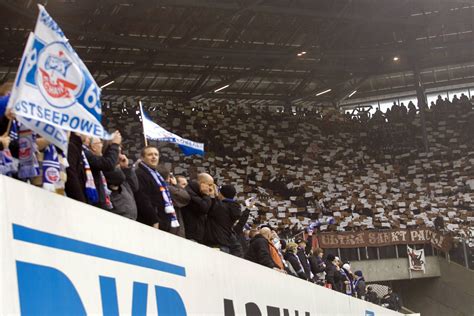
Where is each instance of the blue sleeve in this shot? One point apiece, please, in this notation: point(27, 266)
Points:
point(3, 104)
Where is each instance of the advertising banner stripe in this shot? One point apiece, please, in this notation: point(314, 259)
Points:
point(34, 236)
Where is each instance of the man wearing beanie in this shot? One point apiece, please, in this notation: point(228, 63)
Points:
point(359, 285)
point(221, 218)
point(333, 274)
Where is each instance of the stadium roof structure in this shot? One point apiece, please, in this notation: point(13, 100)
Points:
point(280, 52)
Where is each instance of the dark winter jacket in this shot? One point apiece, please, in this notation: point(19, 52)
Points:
point(98, 164)
point(180, 199)
point(372, 297)
point(123, 184)
point(333, 276)
point(393, 300)
point(195, 213)
point(304, 262)
point(359, 287)
point(244, 217)
point(220, 220)
point(295, 263)
point(259, 252)
point(316, 264)
point(76, 175)
point(241, 243)
point(150, 203)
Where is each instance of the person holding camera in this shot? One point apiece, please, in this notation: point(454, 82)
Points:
point(123, 184)
point(179, 195)
point(221, 219)
point(203, 193)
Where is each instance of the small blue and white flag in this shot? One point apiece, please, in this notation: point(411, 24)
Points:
point(156, 132)
point(53, 91)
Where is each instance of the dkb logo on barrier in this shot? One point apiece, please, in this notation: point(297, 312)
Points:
point(45, 290)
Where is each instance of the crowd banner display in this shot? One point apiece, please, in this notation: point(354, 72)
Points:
point(153, 131)
point(53, 91)
point(62, 257)
point(416, 259)
point(385, 238)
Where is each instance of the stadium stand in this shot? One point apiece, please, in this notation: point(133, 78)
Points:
point(305, 166)
point(297, 176)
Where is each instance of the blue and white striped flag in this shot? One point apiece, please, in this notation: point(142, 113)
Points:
point(53, 91)
point(156, 132)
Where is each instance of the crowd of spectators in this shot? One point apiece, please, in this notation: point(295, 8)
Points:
point(343, 172)
point(291, 168)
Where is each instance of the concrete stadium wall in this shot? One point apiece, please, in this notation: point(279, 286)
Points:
point(395, 269)
point(62, 257)
point(451, 294)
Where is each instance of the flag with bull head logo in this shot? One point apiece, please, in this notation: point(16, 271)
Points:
point(416, 259)
point(53, 91)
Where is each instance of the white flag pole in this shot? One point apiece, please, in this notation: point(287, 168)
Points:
point(409, 263)
point(143, 122)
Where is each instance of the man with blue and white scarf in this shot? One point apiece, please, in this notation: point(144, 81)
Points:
point(154, 204)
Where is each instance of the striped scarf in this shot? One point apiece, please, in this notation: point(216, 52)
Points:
point(161, 183)
point(108, 202)
point(51, 169)
point(91, 191)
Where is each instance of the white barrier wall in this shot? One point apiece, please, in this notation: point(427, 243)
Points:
point(62, 257)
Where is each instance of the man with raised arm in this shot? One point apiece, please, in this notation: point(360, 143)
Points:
point(203, 193)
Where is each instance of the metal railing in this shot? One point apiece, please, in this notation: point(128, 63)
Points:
point(460, 253)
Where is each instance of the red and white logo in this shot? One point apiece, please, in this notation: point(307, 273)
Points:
point(52, 175)
point(25, 145)
point(59, 79)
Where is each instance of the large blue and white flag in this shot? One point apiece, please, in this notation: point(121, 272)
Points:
point(53, 134)
point(156, 132)
point(54, 92)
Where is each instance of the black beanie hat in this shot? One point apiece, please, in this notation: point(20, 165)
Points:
point(228, 191)
point(330, 257)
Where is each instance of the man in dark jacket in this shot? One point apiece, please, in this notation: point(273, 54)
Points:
point(317, 265)
point(393, 301)
point(221, 218)
point(203, 193)
point(372, 296)
point(241, 243)
point(259, 249)
point(292, 257)
point(303, 258)
point(76, 174)
point(150, 198)
point(333, 276)
point(123, 183)
point(101, 162)
point(359, 285)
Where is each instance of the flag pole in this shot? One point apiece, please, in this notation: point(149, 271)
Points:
point(409, 263)
point(143, 122)
point(9, 126)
